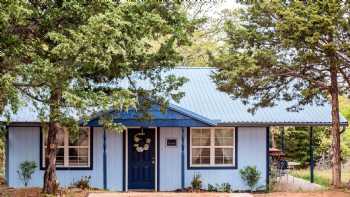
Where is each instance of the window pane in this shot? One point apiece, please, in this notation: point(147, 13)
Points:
point(78, 156)
point(81, 139)
point(60, 137)
point(228, 160)
point(219, 152)
point(60, 157)
point(219, 160)
point(205, 142)
point(205, 160)
point(223, 137)
point(201, 156)
point(223, 133)
point(223, 155)
point(205, 133)
point(196, 141)
point(200, 137)
point(196, 133)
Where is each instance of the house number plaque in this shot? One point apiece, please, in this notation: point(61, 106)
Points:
point(171, 142)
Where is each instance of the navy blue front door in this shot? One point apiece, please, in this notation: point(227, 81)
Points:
point(141, 158)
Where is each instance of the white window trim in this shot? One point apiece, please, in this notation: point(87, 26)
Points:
point(66, 151)
point(212, 148)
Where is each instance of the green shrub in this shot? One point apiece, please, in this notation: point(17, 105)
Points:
point(83, 183)
point(196, 182)
point(212, 188)
point(26, 170)
point(224, 187)
point(250, 175)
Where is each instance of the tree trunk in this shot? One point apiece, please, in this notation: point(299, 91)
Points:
point(50, 179)
point(335, 149)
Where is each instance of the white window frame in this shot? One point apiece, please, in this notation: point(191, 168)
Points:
point(66, 151)
point(212, 148)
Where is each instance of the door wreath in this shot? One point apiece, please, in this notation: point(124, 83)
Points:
point(141, 142)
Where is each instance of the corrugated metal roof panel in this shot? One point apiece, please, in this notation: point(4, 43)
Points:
point(204, 100)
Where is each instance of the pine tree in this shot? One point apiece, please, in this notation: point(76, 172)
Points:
point(289, 50)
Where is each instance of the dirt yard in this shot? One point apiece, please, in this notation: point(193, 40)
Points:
point(35, 192)
point(306, 194)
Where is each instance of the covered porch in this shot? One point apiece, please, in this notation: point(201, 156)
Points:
point(277, 153)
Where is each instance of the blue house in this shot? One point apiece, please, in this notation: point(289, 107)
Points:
point(207, 133)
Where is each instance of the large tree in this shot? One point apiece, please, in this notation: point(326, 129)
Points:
point(78, 53)
point(289, 50)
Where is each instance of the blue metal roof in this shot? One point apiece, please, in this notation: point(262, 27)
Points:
point(203, 102)
point(202, 97)
point(173, 117)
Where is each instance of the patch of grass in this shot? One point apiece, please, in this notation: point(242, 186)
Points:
point(321, 177)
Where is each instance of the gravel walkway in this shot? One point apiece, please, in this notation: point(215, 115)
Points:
point(290, 183)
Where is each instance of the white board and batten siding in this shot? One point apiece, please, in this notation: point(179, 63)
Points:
point(251, 152)
point(24, 145)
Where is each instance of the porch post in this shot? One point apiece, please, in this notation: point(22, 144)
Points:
point(267, 158)
point(7, 164)
point(282, 139)
point(183, 157)
point(312, 165)
point(104, 161)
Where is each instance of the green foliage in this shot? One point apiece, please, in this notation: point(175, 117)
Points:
point(224, 187)
point(273, 177)
point(26, 170)
point(196, 182)
point(82, 50)
point(212, 188)
point(282, 51)
point(83, 183)
point(297, 144)
point(297, 141)
point(69, 58)
point(250, 175)
point(344, 104)
point(294, 51)
point(197, 54)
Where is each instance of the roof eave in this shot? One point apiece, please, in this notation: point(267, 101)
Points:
point(268, 124)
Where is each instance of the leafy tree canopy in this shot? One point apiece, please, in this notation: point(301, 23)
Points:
point(289, 50)
point(70, 58)
point(282, 50)
point(83, 49)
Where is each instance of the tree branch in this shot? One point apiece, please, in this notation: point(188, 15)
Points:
point(346, 78)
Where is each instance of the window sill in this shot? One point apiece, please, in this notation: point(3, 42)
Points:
point(69, 168)
point(211, 167)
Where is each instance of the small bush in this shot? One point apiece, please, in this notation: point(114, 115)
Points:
point(225, 187)
point(250, 175)
point(26, 170)
point(212, 188)
point(83, 183)
point(196, 182)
